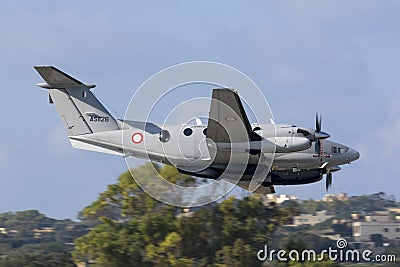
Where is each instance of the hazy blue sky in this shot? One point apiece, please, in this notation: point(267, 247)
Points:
point(340, 58)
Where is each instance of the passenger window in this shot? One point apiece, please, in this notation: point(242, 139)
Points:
point(188, 132)
point(334, 150)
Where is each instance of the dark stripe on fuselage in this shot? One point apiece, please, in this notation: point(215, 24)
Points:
point(278, 177)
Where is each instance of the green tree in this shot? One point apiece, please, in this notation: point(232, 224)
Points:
point(133, 229)
point(377, 239)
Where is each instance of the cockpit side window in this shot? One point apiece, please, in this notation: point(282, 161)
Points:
point(338, 150)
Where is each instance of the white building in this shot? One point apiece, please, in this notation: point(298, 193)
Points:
point(379, 216)
point(311, 219)
point(363, 230)
point(332, 197)
point(279, 198)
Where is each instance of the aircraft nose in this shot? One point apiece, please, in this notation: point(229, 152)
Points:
point(353, 155)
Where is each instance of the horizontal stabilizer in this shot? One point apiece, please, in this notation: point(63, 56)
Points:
point(95, 146)
point(55, 78)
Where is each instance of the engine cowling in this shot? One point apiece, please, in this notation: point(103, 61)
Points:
point(291, 144)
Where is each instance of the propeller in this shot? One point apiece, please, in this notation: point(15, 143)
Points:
point(319, 135)
point(318, 121)
point(329, 175)
point(316, 136)
point(328, 182)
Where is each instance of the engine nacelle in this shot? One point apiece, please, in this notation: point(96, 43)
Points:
point(291, 144)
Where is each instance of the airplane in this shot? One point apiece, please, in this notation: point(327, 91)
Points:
point(229, 145)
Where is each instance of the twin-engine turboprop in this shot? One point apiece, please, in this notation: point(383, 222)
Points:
point(228, 146)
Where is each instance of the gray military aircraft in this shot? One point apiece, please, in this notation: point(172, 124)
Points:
point(228, 145)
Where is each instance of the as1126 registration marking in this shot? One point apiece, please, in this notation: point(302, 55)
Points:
point(99, 118)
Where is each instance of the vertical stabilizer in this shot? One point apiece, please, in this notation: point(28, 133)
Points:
point(80, 111)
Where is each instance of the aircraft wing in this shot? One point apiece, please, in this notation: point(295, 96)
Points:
point(228, 122)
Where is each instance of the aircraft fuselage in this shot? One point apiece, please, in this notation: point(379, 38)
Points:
point(186, 148)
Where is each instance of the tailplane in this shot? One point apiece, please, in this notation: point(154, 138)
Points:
point(80, 111)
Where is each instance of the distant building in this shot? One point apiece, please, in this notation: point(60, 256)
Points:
point(311, 219)
point(333, 197)
point(379, 216)
point(384, 222)
point(363, 230)
point(186, 212)
point(346, 222)
point(394, 210)
point(279, 198)
point(44, 230)
point(39, 232)
point(396, 213)
point(334, 237)
point(357, 216)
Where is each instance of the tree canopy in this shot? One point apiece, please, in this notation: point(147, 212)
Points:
point(133, 229)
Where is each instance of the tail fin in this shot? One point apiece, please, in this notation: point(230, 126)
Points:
point(80, 111)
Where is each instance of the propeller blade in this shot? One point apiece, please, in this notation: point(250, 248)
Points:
point(318, 122)
point(318, 149)
point(328, 181)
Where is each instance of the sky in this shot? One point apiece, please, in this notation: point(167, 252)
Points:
point(338, 58)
